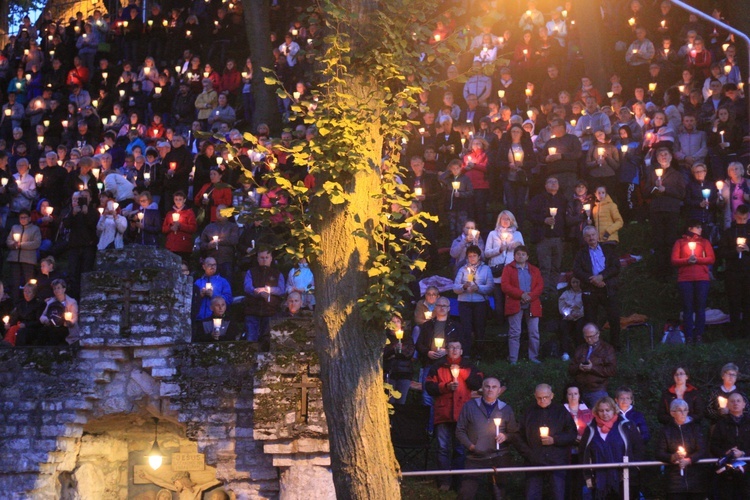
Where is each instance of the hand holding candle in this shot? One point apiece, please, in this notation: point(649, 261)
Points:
point(455, 372)
point(544, 432)
point(439, 343)
point(553, 214)
point(741, 247)
point(691, 246)
point(681, 453)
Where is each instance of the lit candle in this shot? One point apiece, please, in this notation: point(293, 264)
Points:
point(455, 371)
point(727, 68)
point(45, 123)
point(552, 151)
point(205, 196)
point(553, 214)
point(501, 94)
point(437, 37)
point(268, 293)
point(651, 87)
point(428, 315)
point(544, 432)
point(115, 205)
point(659, 172)
point(38, 178)
point(417, 191)
point(399, 335)
point(32, 281)
point(573, 122)
point(600, 152)
point(4, 181)
point(529, 92)
point(217, 324)
point(724, 47)
point(587, 207)
point(150, 23)
point(456, 185)
point(720, 186)
point(140, 216)
point(6, 320)
point(49, 211)
point(681, 89)
point(157, 90)
point(175, 217)
point(173, 165)
point(497, 421)
point(610, 94)
point(209, 286)
point(147, 176)
point(216, 241)
point(624, 148)
point(631, 21)
point(740, 241)
point(706, 193)
point(165, 23)
point(663, 23)
point(100, 210)
point(722, 136)
point(439, 343)
point(17, 237)
point(68, 316)
point(691, 246)
point(722, 400)
point(122, 93)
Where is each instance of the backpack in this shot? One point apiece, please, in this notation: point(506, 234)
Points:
point(673, 334)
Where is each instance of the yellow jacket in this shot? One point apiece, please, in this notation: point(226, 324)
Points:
point(205, 102)
point(607, 219)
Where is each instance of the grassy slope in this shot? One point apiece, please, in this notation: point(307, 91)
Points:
point(644, 370)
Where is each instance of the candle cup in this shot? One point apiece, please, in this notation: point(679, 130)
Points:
point(439, 341)
point(208, 286)
point(456, 185)
point(428, 315)
point(722, 402)
point(552, 151)
point(268, 293)
point(544, 432)
point(217, 324)
point(418, 191)
point(497, 422)
point(691, 246)
point(455, 371)
point(68, 316)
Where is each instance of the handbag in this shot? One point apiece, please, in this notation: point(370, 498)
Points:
point(497, 270)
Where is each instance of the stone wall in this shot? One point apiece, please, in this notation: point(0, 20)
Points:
point(53, 401)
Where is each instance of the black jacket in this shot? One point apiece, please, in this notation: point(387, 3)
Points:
point(691, 438)
point(728, 249)
point(728, 433)
point(582, 269)
point(427, 335)
point(562, 429)
point(539, 210)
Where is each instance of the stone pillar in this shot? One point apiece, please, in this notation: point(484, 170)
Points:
point(288, 411)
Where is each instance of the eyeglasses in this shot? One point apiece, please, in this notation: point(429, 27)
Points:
point(680, 410)
point(442, 305)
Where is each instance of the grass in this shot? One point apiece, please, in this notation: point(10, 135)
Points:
point(646, 371)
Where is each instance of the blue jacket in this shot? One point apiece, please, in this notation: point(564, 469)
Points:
point(640, 423)
point(202, 305)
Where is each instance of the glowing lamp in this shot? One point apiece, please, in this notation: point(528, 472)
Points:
point(544, 432)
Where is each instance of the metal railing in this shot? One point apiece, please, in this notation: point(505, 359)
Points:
point(626, 465)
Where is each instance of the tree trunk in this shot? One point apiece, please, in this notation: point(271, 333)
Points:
point(4, 20)
point(363, 462)
point(591, 43)
point(261, 53)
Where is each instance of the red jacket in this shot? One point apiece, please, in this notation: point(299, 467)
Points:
point(448, 404)
point(704, 252)
point(182, 240)
point(221, 194)
point(512, 290)
point(478, 173)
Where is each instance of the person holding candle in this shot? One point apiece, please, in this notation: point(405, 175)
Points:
point(111, 226)
point(561, 155)
point(301, 280)
point(606, 217)
point(570, 306)
point(475, 166)
point(145, 220)
point(264, 287)
point(515, 160)
point(547, 432)
point(207, 287)
point(470, 236)
point(719, 397)
point(59, 318)
point(218, 327)
point(731, 439)
point(692, 255)
point(682, 390)
point(547, 214)
point(458, 192)
point(734, 248)
point(608, 439)
point(23, 241)
point(180, 226)
point(398, 352)
point(425, 309)
point(214, 193)
point(451, 381)
point(724, 140)
point(486, 427)
point(501, 242)
point(219, 240)
point(582, 416)
point(24, 317)
point(602, 162)
point(638, 56)
point(667, 193)
point(473, 284)
point(431, 345)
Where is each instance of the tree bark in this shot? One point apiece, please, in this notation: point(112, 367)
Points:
point(364, 465)
point(258, 30)
point(4, 20)
point(591, 43)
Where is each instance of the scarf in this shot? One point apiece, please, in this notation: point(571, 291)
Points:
point(605, 427)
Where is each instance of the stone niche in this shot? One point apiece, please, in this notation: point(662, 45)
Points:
point(76, 422)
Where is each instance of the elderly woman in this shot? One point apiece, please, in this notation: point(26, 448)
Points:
point(607, 439)
point(717, 401)
point(214, 193)
point(731, 438)
point(681, 445)
point(681, 390)
point(501, 242)
point(735, 192)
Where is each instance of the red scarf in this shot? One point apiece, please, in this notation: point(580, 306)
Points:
point(605, 427)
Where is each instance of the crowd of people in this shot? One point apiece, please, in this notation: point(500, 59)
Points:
point(588, 427)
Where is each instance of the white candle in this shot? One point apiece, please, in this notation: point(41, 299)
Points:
point(428, 315)
point(741, 241)
point(722, 400)
point(209, 286)
point(217, 324)
point(587, 207)
point(552, 151)
point(175, 217)
point(418, 191)
point(501, 94)
point(68, 316)
point(691, 246)
point(497, 421)
point(544, 432)
point(659, 172)
point(456, 185)
point(49, 211)
point(439, 343)
point(624, 148)
point(16, 237)
point(268, 293)
point(455, 371)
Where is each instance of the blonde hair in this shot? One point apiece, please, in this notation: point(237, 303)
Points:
point(513, 222)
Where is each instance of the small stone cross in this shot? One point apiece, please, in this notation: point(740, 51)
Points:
point(304, 385)
point(128, 298)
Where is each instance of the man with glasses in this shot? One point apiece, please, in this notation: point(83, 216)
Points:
point(546, 435)
point(207, 287)
point(442, 327)
point(592, 365)
point(23, 241)
point(451, 382)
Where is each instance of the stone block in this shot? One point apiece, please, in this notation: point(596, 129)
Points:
point(167, 389)
point(163, 372)
point(77, 404)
